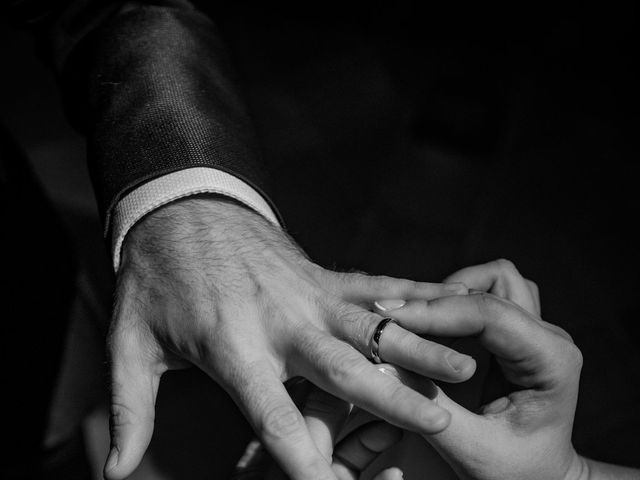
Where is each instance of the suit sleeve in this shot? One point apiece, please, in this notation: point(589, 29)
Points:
point(151, 87)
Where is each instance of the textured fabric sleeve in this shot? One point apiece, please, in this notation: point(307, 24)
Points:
point(146, 198)
point(151, 86)
point(160, 98)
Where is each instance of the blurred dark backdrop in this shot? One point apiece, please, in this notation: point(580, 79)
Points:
point(411, 143)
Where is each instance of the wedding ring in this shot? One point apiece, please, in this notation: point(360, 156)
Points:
point(375, 339)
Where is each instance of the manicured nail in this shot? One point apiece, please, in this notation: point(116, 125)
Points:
point(457, 288)
point(457, 361)
point(388, 305)
point(112, 461)
point(389, 370)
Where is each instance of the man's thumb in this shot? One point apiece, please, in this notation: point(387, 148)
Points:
point(133, 395)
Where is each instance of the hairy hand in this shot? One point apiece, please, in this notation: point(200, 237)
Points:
point(207, 282)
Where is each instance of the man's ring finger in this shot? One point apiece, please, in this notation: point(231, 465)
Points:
point(375, 339)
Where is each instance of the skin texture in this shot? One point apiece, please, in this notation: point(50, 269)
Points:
point(527, 433)
point(325, 416)
point(206, 282)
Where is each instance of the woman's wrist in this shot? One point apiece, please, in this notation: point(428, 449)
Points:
point(579, 468)
point(586, 469)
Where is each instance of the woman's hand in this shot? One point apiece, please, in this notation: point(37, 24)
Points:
point(499, 277)
point(525, 434)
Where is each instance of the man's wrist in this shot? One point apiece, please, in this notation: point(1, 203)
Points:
point(188, 215)
point(182, 228)
point(169, 188)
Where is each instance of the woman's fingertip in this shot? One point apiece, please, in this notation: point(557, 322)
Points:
point(389, 304)
point(469, 370)
point(393, 473)
point(438, 421)
point(458, 362)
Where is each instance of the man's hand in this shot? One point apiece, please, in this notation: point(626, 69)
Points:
point(207, 282)
point(349, 455)
point(326, 416)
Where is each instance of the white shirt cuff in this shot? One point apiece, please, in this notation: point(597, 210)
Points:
point(191, 181)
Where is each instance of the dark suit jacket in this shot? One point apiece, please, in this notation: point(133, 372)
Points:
point(150, 85)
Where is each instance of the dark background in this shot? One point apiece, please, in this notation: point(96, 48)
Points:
point(410, 143)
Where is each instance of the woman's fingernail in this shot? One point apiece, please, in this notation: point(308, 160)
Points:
point(388, 305)
point(389, 370)
point(457, 361)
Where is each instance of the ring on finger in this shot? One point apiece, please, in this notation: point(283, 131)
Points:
point(375, 338)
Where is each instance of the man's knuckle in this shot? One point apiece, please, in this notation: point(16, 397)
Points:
point(403, 285)
point(279, 422)
point(339, 277)
point(344, 311)
point(128, 334)
point(397, 394)
point(123, 415)
point(391, 285)
point(358, 278)
point(357, 323)
point(421, 349)
point(341, 366)
point(320, 401)
point(319, 273)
